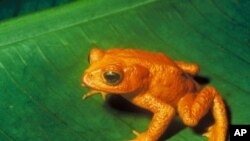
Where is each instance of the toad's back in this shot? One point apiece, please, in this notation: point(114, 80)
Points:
point(140, 56)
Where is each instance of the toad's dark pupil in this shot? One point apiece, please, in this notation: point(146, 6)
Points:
point(112, 78)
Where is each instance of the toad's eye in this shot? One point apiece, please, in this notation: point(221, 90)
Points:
point(112, 78)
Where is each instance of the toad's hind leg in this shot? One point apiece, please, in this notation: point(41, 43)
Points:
point(193, 107)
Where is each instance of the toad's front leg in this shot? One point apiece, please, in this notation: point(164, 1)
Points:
point(163, 114)
point(94, 92)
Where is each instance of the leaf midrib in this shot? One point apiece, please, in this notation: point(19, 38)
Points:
point(6, 44)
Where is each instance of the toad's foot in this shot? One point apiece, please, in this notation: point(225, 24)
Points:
point(213, 133)
point(209, 132)
point(135, 132)
point(93, 92)
point(142, 136)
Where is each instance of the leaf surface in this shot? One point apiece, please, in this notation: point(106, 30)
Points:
point(43, 56)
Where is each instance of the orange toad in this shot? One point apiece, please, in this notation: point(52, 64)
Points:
point(156, 83)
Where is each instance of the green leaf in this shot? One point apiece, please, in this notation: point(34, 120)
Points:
point(43, 56)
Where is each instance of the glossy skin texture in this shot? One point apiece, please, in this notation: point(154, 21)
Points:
point(156, 83)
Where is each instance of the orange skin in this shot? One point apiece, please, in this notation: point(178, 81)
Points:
point(156, 83)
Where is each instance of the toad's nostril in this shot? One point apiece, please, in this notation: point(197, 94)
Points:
point(87, 77)
point(90, 76)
